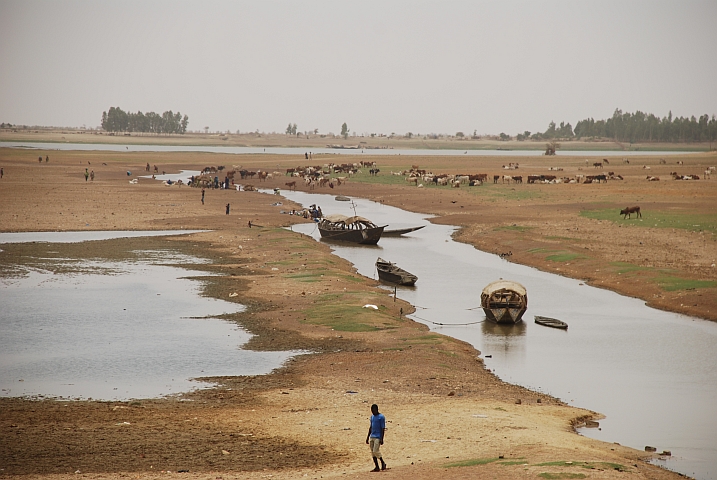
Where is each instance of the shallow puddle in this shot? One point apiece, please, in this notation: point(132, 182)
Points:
point(116, 330)
point(652, 373)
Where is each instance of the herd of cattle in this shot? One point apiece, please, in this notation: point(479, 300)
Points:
point(326, 175)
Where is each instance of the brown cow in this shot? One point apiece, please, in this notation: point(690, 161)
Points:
point(291, 185)
point(629, 211)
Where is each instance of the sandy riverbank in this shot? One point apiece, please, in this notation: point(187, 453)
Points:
point(301, 420)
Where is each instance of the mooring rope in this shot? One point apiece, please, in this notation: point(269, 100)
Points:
point(447, 324)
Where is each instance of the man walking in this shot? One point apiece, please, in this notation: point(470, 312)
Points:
point(374, 438)
point(202, 196)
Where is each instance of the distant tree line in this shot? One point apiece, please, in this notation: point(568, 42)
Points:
point(117, 120)
point(633, 127)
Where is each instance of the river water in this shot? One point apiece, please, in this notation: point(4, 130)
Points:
point(298, 151)
point(652, 373)
point(112, 330)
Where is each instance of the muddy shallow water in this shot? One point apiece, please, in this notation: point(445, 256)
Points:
point(650, 372)
point(116, 330)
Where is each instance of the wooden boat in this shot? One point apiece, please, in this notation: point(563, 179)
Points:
point(550, 322)
point(400, 231)
point(504, 301)
point(390, 272)
point(350, 229)
point(342, 198)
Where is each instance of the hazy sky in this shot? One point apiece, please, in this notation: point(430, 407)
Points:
point(384, 66)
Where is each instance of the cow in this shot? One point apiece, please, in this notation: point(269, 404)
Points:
point(597, 164)
point(496, 178)
point(650, 178)
point(626, 213)
point(412, 180)
point(533, 178)
point(291, 185)
point(605, 161)
point(518, 179)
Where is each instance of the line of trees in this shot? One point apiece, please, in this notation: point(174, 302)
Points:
point(117, 120)
point(634, 127)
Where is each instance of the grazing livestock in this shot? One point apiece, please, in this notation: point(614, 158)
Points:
point(605, 161)
point(627, 212)
point(496, 178)
point(650, 178)
point(518, 178)
point(507, 178)
point(597, 164)
point(291, 185)
point(412, 180)
point(708, 172)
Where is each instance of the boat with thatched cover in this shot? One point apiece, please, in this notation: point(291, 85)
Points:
point(350, 229)
point(504, 301)
point(392, 273)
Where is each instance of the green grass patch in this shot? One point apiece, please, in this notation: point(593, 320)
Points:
point(470, 463)
point(586, 465)
point(344, 312)
point(625, 267)
point(564, 257)
point(567, 239)
point(306, 277)
point(672, 283)
point(658, 219)
point(558, 255)
point(424, 340)
point(514, 228)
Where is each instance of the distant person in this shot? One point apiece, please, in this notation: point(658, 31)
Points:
point(39, 159)
point(92, 175)
point(374, 438)
point(202, 196)
point(249, 223)
point(87, 174)
point(227, 209)
point(306, 155)
point(2, 173)
point(47, 158)
point(147, 167)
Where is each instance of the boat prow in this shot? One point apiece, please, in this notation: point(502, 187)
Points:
point(504, 301)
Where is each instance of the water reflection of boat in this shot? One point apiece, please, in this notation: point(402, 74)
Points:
point(551, 322)
point(504, 301)
point(400, 231)
point(390, 272)
point(350, 229)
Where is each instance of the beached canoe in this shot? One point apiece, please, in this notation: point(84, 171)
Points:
point(392, 273)
point(551, 322)
point(400, 231)
point(504, 301)
point(350, 229)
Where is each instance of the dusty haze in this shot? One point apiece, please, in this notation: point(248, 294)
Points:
point(380, 67)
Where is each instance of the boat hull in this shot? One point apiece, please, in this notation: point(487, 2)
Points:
point(366, 236)
point(400, 231)
point(389, 272)
point(504, 315)
point(504, 302)
point(551, 322)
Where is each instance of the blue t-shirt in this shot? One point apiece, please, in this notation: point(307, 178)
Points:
point(378, 425)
